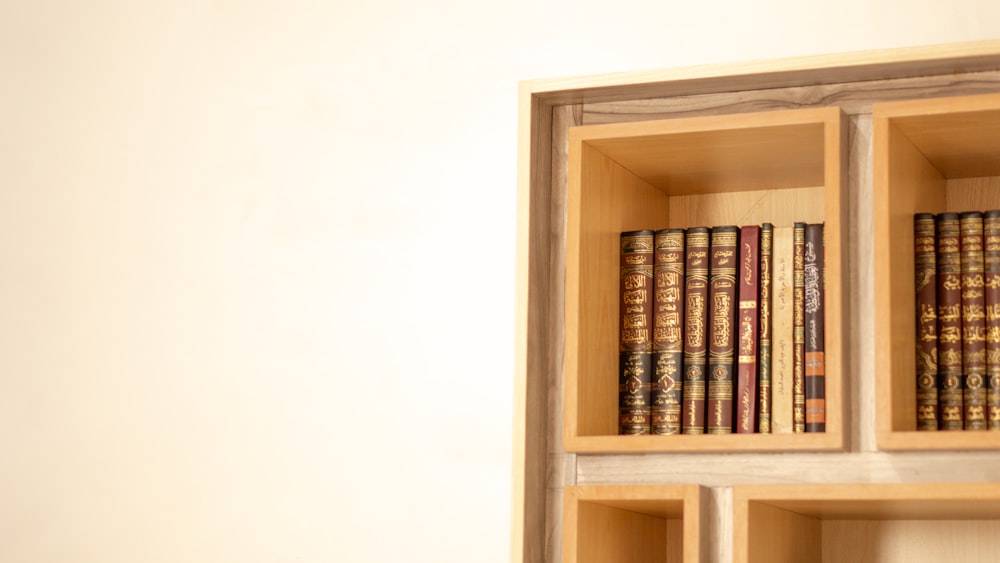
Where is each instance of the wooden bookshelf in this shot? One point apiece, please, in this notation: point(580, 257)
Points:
point(856, 140)
point(637, 524)
point(779, 166)
point(880, 523)
point(931, 156)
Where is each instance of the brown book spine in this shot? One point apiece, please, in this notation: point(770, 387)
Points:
point(925, 268)
point(991, 282)
point(764, 351)
point(949, 317)
point(635, 358)
point(973, 320)
point(815, 368)
point(748, 330)
point(696, 268)
point(798, 326)
point(668, 330)
point(722, 329)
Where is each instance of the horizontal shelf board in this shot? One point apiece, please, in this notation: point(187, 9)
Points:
point(880, 501)
point(704, 443)
point(940, 440)
point(767, 150)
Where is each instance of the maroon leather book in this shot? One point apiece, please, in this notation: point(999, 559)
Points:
point(949, 322)
point(668, 329)
point(798, 328)
point(973, 320)
point(696, 266)
point(991, 283)
point(748, 330)
point(764, 348)
point(635, 357)
point(925, 268)
point(722, 329)
point(815, 362)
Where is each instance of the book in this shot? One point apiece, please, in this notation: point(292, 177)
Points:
point(696, 268)
point(782, 341)
point(815, 363)
point(973, 320)
point(991, 287)
point(668, 328)
point(724, 249)
point(925, 284)
point(748, 329)
point(949, 321)
point(635, 358)
point(798, 328)
point(764, 349)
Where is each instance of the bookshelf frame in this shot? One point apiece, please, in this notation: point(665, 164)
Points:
point(680, 173)
point(545, 466)
point(931, 156)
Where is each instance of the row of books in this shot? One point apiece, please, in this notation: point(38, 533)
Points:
point(721, 330)
point(957, 275)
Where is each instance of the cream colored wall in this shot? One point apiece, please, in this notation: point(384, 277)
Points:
point(256, 259)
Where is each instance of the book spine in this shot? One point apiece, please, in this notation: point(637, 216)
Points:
point(722, 331)
point(949, 317)
point(668, 327)
point(973, 320)
point(764, 352)
point(635, 315)
point(815, 367)
point(991, 283)
point(748, 329)
point(798, 323)
point(925, 269)
point(782, 345)
point(696, 308)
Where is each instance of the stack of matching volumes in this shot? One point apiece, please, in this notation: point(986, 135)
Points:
point(957, 267)
point(722, 330)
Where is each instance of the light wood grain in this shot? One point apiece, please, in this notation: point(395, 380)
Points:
point(924, 522)
point(854, 98)
point(630, 523)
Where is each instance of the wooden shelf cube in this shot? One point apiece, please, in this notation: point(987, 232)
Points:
point(930, 156)
point(873, 522)
point(634, 524)
point(779, 167)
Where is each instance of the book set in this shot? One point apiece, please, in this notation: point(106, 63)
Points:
point(722, 330)
point(957, 284)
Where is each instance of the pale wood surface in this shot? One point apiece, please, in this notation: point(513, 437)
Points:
point(868, 522)
point(634, 523)
point(852, 82)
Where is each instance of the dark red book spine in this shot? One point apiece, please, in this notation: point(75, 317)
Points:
point(949, 318)
point(925, 269)
point(722, 329)
point(798, 328)
point(815, 367)
point(668, 330)
point(696, 266)
point(991, 282)
point(635, 358)
point(973, 320)
point(748, 330)
point(764, 350)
